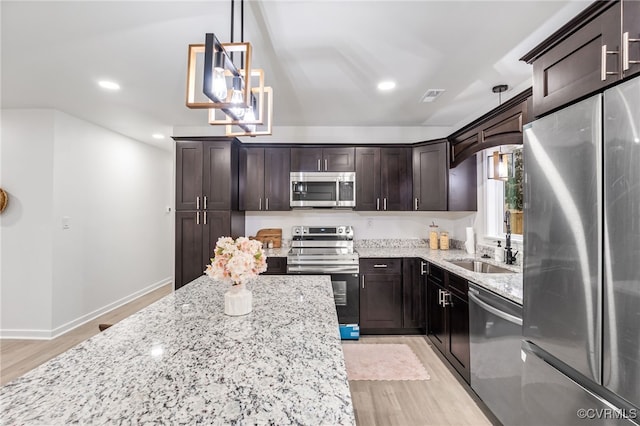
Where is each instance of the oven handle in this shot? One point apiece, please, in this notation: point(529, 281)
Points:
point(324, 270)
point(495, 311)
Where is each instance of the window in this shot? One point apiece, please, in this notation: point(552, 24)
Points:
point(502, 196)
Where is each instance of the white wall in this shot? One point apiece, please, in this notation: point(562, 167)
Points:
point(113, 192)
point(26, 265)
point(367, 225)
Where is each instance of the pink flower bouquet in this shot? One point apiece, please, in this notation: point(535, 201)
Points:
point(237, 261)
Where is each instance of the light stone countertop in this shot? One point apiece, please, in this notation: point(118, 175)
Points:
point(507, 285)
point(182, 361)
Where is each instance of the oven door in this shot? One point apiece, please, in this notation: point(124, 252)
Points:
point(346, 293)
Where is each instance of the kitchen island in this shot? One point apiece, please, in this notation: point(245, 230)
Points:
point(181, 360)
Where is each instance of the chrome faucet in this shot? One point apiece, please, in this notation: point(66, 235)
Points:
point(509, 257)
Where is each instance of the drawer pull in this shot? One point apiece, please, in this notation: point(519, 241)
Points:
point(380, 265)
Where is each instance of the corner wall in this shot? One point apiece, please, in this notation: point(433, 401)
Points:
point(105, 234)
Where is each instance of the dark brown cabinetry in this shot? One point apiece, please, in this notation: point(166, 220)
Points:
point(463, 190)
point(383, 179)
point(380, 294)
point(430, 177)
point(206, 202)
point(314, 159)
point(594, 50)
point(392, 296)
point(448, 317)
point(264, 179)
point(276, 266)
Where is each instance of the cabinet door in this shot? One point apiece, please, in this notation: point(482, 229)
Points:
point(338, 159)
point(463, 190)
point(188, 175)
point(189, 247)
point(276, 266)
point(413, 294)
point(430, 172)
point(216, 224)
point(459, 335)
point(395, 173)
point(217, 175)
point(252, 178)
point(306, 160)
point(276, 178)
point(381, 301)
point(436, 316)
point(368, 179)
point(573, 68)
point(631, 27)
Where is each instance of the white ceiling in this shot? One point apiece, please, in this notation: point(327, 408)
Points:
point(323, 58)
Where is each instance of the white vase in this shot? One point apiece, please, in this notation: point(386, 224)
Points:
point(237, 300)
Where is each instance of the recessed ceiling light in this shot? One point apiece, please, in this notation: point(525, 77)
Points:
point(157, 136)
point(386, 85)
point(109, 85)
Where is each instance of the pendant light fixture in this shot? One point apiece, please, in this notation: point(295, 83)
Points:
point(500, 165)
point(227, 87)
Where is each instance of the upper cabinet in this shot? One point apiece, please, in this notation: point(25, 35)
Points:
point(204, 176)
point(312, 159)
point(501, 126)
point(430, 176)
point(264, 179)
point(383, 179)
point(597, 48)
point(463, 189)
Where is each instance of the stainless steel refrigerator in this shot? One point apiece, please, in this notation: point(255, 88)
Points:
point(581, 325)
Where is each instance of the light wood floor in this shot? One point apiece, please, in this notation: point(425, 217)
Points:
point(20, 356)
point(443, 400)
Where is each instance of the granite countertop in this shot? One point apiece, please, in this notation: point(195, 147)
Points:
point(182, 361)
point(507, 285)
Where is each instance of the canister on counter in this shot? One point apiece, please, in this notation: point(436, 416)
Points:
point(444, 240)
point(433, 236)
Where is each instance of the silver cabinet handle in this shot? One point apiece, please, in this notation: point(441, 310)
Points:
point(625, 50)
point(363, 281)
point(260, 203)
point(603, 67)
point(197, 218)
point(415, 204)
point(319, 169)
point(384, 203)
point(422, 267)
point(440, 297)
point(205, 217)
point(267, 203)
point(198, 202)
point(380, 265)
point(326, 165)
point(377, 203)
point(205, 202)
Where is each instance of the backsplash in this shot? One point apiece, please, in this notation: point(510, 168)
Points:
point(391, 243)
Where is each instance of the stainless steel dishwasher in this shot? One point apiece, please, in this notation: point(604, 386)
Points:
point(495, 326)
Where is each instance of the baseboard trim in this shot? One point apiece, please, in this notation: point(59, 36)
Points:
point(65, 328)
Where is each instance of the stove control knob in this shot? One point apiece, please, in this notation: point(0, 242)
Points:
point(296, 231)
point(341, 230)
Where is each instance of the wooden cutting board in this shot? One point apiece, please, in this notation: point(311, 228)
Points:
point(270, 234)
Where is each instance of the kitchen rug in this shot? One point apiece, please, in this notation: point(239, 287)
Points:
point(382, 361)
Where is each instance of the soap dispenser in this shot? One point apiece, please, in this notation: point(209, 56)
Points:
point(499, 252)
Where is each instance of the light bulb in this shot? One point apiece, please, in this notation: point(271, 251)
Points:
point(237, 98)
point(219, 84)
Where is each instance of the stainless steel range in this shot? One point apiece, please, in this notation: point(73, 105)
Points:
point(328, 250)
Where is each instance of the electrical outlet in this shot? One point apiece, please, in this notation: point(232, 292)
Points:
point(369, 222)
point(66, 222)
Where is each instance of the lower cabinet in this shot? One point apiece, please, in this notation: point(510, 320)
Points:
point(276, 266)
point(391, 296)
point(448, 317)
point(197, 233)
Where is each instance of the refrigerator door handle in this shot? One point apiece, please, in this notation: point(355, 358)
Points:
point(495, 311)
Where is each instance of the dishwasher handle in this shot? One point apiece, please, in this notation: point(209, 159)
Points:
point(495, 311)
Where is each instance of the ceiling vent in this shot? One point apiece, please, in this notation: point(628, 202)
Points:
point(431, 95)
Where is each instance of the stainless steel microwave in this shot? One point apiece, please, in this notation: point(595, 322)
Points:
point(322, 189)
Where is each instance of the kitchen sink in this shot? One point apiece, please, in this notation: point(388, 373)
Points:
point(479, 266)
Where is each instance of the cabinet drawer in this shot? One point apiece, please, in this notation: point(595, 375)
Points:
point(459, 286)
point(381, 265)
